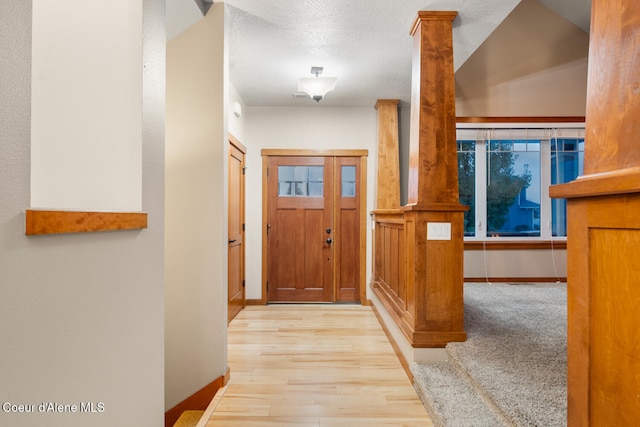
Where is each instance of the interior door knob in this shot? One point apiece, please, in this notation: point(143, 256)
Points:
point(329, 240)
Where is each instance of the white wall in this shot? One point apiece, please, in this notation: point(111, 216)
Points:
point(86, 105)
point(81, 315)
point(196, 207)
point(522, 71)
point(557, 91)
point(309, 127)
point(514, 264)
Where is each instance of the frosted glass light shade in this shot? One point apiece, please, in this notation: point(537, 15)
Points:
point(317, 87)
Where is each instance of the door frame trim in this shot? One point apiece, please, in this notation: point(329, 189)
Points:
point(235, 142)
point(363, 154)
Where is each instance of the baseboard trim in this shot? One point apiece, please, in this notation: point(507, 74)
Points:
point(394, 344)
point(255, 302)
point(197, 401)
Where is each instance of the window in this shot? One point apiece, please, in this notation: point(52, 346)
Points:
point(467, 183)
point(513, 188)
point(300, 181)
point(504, 175)
point(348, 185)
point(567, 162)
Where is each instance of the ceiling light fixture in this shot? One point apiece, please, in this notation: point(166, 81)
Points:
point(316, 87)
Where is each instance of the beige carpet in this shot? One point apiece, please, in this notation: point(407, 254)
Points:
point(515, 359)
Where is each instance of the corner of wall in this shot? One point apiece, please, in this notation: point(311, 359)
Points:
point(196, 207)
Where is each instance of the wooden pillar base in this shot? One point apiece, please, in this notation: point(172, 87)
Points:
point(418, 272)
point(435, 274)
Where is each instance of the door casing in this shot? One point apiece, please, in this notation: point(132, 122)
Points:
point(236, 297)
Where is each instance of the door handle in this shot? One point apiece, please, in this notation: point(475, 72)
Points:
point(232, 240)
point(329, 240)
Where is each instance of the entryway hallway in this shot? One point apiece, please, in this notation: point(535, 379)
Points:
point(314, 365)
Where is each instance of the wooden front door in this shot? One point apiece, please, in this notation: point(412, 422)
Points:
point(347, 212)
point(236, 294)
point(300, 229)
point(314, 229)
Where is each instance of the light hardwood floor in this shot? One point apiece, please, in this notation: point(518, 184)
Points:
point(314, 366)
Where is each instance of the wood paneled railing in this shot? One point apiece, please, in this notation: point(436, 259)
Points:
point(424, 305)
point(389, 273)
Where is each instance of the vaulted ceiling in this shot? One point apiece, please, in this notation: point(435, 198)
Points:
point(364, 43)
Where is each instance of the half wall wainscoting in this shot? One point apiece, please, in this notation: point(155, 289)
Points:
point(418, 281)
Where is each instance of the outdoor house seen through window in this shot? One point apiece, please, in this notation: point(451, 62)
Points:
point(504, 176)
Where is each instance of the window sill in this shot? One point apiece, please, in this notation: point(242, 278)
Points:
point(500, 244)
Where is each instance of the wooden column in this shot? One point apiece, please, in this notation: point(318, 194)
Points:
point(434, 217)
point(388, 182)
point(603, 238)
point(433, 164)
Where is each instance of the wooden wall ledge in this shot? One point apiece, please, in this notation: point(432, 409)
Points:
point(55, 222)
point(621, 181)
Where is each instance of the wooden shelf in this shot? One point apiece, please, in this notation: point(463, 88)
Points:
point(56, 222)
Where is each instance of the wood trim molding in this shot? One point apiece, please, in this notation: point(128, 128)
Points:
point(432, 15)
point(398, 211)
point(256, 302)
point(392, 102)
point(310, 153)
point(197, 401)
point(514, 245)
point(265, 218)
point(56, 222)
point(515, 279)
point(363, 230)
point(236, 143)
point(568, 119)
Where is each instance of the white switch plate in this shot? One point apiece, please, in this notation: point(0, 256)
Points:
point(438, 231)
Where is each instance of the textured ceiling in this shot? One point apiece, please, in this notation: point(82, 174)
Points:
point(364, 43)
